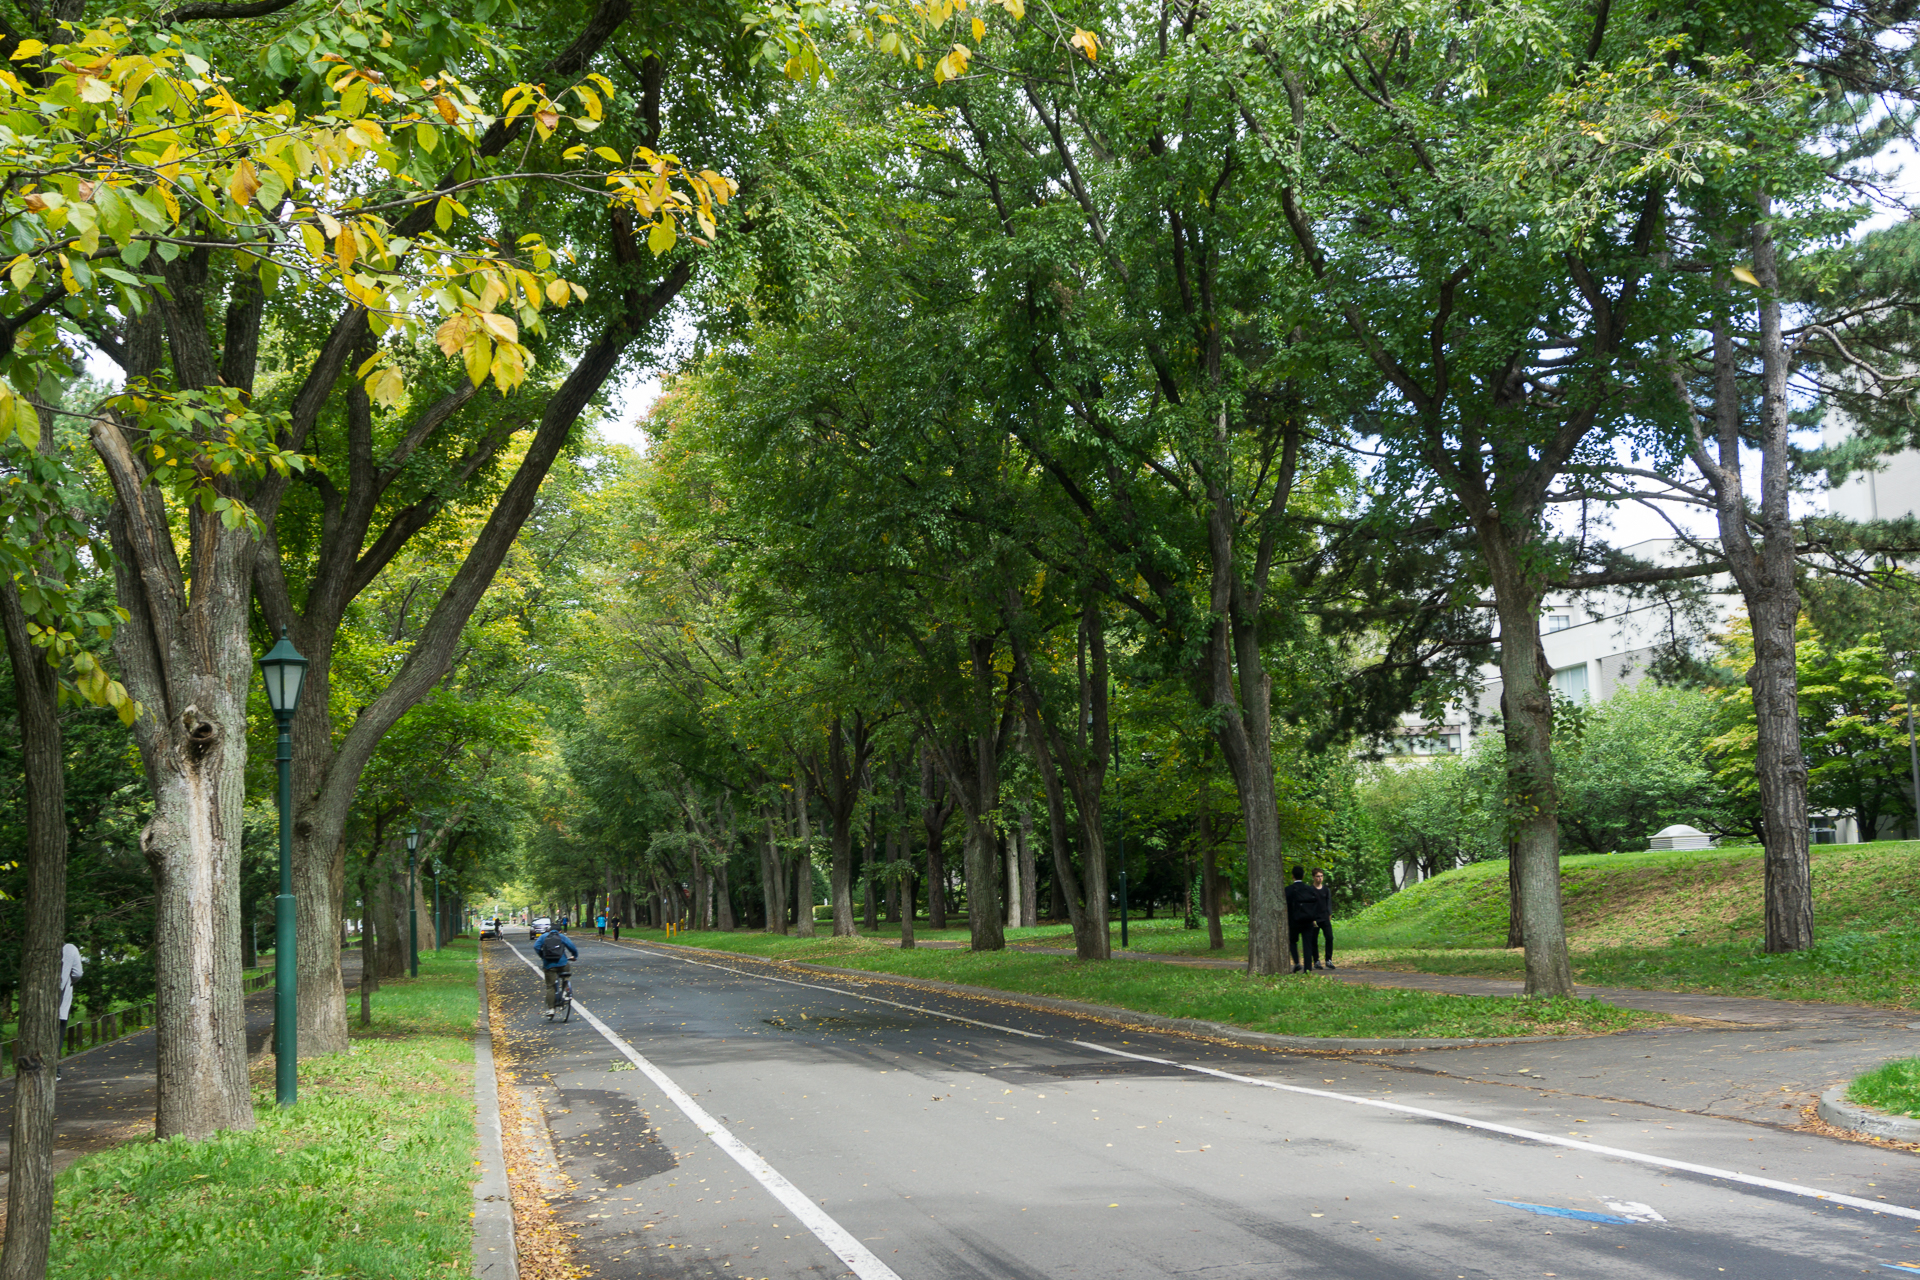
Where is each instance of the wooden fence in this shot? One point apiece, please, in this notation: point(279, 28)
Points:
point(122, 1022)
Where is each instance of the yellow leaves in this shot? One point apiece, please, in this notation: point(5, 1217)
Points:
point(1016, 9)
point(979, 30)
point(557, 293)
point(387, 387)
point(662, 235)
point(479, 358)
point(1086, 42)
point(444, 105)
point(501, 327)
point(428, 135)
point(1745, 276)
point(588, 100)
point(27, 49)
point(452, 334)
point(346, 246)
point(953, 66)
point(244, 184)
point(20, 271)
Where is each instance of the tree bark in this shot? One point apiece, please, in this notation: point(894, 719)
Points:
point(1029, 883)
point(936, 807)
point(972, 765)
point(772, 876)
point(1765, 575)
point(44, 925)
point(803, 859)
point(184, 654)
point(1526, 718)
point(1078, 757)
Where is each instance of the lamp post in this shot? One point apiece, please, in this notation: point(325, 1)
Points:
point(283, 670)
point(438, 923)
point(413, 914)
point(1120, 834)
point(1906, 678)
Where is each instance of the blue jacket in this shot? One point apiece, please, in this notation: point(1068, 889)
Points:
point(565, 941)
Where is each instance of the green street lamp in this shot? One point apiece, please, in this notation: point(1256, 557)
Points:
point(438, 921)
point(413, 914)
point(284, 670)
point(1906, 678)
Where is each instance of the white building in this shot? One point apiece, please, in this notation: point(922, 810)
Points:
point(1598, 643)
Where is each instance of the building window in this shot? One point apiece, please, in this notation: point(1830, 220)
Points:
point(1559, 621)
point(1445, 742)
point(1821, 829)
point(1571, 683)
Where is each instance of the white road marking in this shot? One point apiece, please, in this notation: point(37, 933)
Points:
point(815, 1219)
point(1467, 1122)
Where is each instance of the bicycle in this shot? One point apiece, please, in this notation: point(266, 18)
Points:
point(562, 1001)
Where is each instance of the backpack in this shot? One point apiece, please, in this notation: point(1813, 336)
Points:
point(551, 949)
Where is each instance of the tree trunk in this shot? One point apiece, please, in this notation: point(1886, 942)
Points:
point(1526, 718)
point(29, 1219)
point(1029, 883)
point(1765, 575)
point(1079, 759)
point(936, 806)
point(972, 765)
point(772, 877)
point(803, 860)
point(1516, 929)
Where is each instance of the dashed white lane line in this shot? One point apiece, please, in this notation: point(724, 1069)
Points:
point(844, 1246)
point(1401, 1108)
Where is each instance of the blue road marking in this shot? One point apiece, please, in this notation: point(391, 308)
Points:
point(1901, 1266)
point(1582, 1214)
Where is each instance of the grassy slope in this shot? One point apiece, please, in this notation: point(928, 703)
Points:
point(1300, 1005)
point(1679, 921)
point(1893, 1088)
point(367, 1177)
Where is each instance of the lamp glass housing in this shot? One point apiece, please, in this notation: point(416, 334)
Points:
point(413, 840)
point(283, 670)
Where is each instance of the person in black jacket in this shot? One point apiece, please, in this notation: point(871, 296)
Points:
point(1303, 918)
point(1321, 941)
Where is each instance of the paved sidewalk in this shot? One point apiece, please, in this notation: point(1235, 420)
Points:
point(107, 1095)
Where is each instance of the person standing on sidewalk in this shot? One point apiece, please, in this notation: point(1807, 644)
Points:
point(1303, 910)
point(600, 923)
point(614, 923)
point(1321, 941)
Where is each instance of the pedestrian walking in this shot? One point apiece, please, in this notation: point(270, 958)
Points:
point(1303, 910)
point(72, 969)
point(614, 922)
point(1322, 944)
point(600, 923)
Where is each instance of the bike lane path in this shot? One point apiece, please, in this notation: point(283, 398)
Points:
point(949, 1148)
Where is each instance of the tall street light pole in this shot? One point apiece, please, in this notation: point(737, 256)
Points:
point(413, 913)
point(438, 923)
point(1913, 751)
point(283, 670)
point(1120, 833)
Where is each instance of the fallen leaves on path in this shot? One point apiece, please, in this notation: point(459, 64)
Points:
point(544, 1244)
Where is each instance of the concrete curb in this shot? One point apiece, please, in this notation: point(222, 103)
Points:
point(1113, 1013)
point(493, 1251)
point(1841, 1114)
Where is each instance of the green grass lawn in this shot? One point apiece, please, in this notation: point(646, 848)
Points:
point(368, 1177)
point(1299, 1005)
point(1893, 1088)
point(1688, 921)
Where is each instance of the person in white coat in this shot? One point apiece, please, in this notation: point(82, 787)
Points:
point(72, 969)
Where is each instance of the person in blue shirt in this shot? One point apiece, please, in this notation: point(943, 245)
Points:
point(556, 952)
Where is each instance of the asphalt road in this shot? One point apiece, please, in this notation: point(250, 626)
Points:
point(835, 1135)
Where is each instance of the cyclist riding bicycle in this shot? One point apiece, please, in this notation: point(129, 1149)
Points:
point(556, 952)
